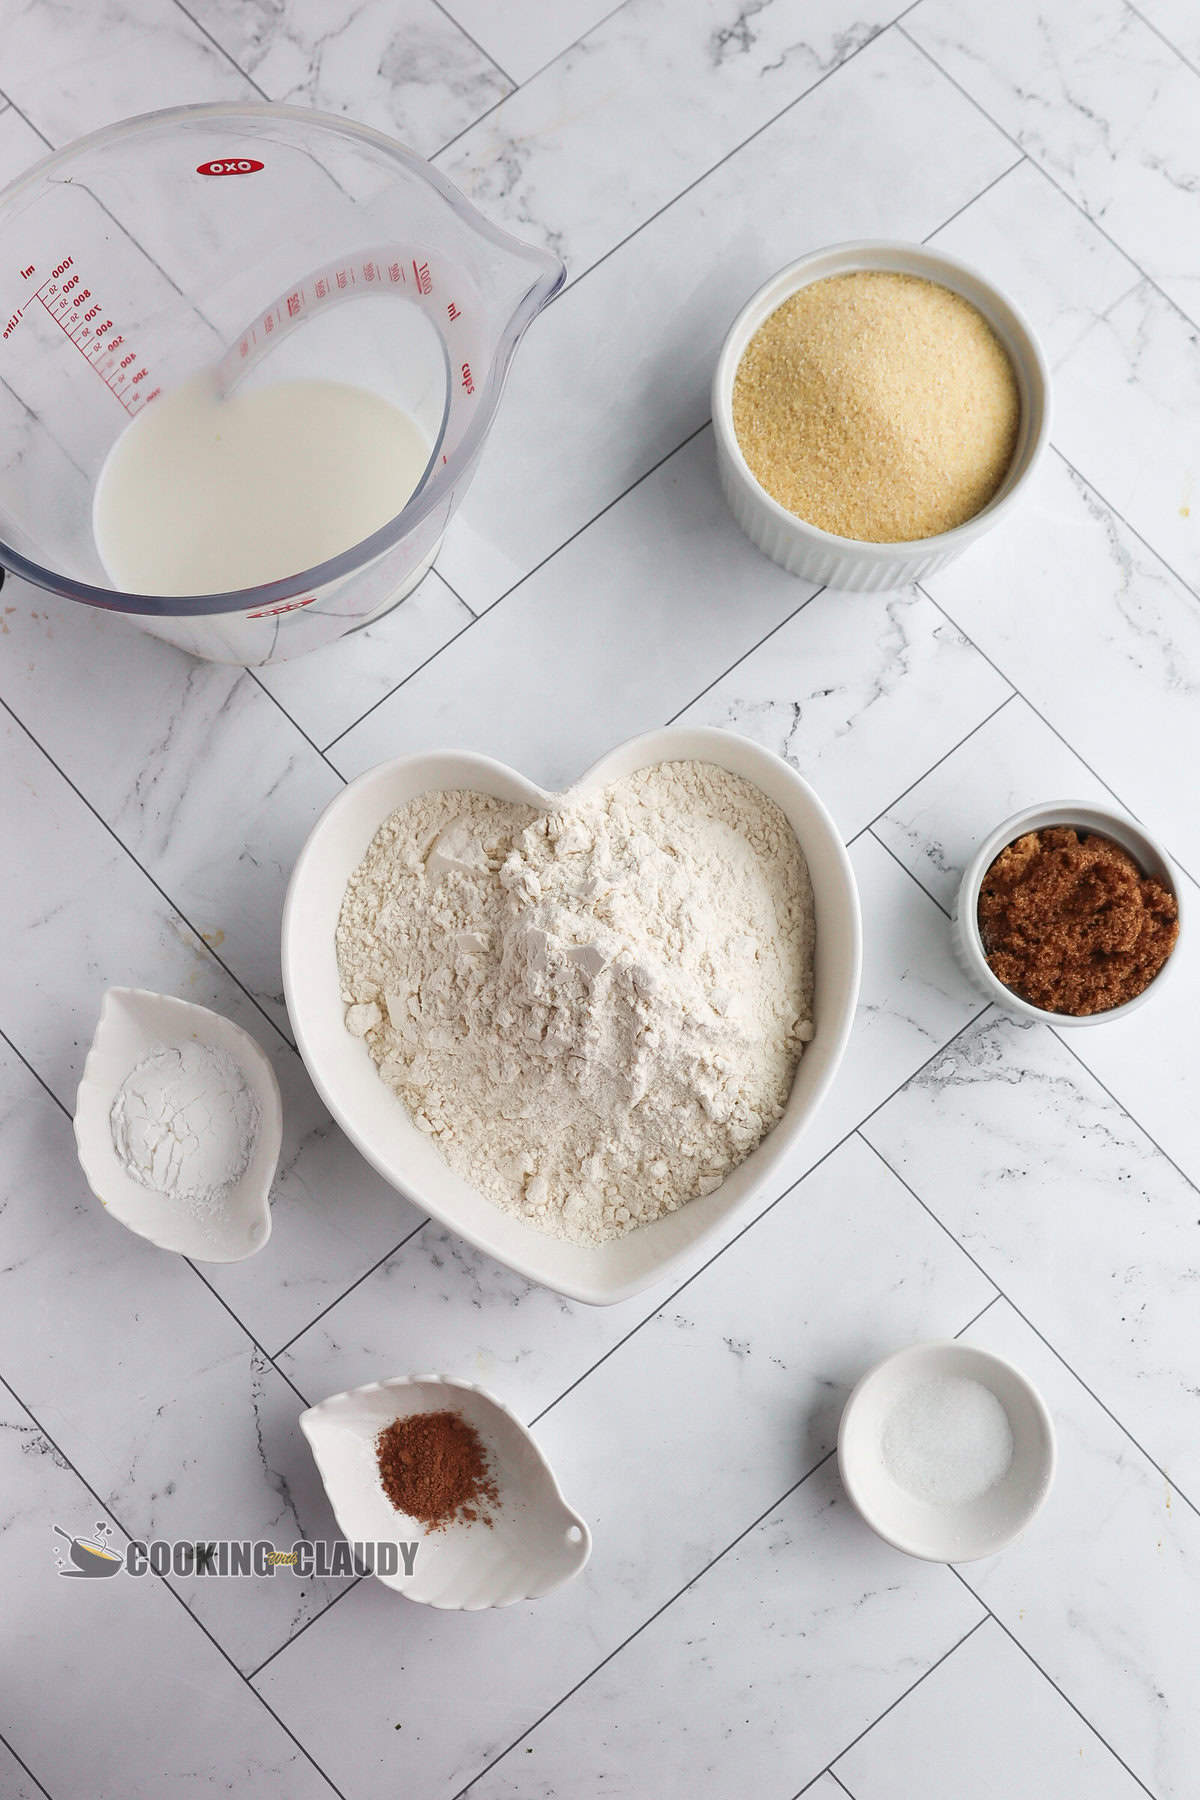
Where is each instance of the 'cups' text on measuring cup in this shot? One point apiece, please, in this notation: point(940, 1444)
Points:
point(250, 246)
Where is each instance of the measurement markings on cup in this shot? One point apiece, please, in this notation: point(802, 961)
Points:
point(74, 308)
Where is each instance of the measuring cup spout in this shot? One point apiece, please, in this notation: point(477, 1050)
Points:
point(527, 277)
point(507, 283)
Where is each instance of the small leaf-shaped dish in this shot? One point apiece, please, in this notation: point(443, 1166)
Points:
point(535, 1541)
point(133, 1023)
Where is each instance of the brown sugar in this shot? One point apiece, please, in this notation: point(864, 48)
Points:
point(433, 1466)
point(1071, 924)
point(877, 406)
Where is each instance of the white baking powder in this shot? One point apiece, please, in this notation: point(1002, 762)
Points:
point(595, 1013)
point(186, 1122)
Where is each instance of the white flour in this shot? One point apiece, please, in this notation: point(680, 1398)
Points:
point(185, 1122)
point(595, 1013)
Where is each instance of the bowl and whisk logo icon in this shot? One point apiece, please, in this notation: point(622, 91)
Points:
point(89, 1558)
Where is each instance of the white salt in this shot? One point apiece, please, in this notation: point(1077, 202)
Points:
point(947, 1440)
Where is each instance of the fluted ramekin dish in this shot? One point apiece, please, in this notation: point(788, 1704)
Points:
point(848, 563)
point(1083, 816)
point(378, 1123)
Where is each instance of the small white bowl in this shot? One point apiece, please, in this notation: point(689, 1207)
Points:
point(847, 563)
point(133, 1022)
point(376, 1121)
point(945, 1533)
point(535, 1541)
point(1085, 816)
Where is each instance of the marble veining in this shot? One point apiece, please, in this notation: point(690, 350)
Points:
point(539, 164)
point(430, 81)
point(738, 1629)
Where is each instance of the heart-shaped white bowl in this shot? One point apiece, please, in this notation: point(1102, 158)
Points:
point(535, 1541)
point(377, 1123)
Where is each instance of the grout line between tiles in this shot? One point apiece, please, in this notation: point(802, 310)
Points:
point(347, 1588)
point(486, 54)
point(219, 47)
point(657, 1613)
point(834, 1776)
point(277, 702)
point(424, 664)
point(485, 114)
point(1063, 1695)
point(944, 910)
point(238, 1320)
point(156, 885)
point(898, 1701)
point(967, 204)
point(954, 748)
point(40, 1079)
point(962, 1331)
point(1045, 173)
point(1004, 1295)
point(528, 576)
point(20, 1761)
point(1162, 36)
point(1132, 529)
point(739, 660)
point(518, 85)
point(575, 42)
point(174, 1592)
point(1047, 722)
point(448, 584)
point(22, 114)
point(395, 1249)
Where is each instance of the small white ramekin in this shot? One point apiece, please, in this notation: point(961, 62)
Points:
point(953, 1533)
point(846, 563)
point(1100, 821)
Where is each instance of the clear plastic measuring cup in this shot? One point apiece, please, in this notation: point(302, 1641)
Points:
point(265, 243)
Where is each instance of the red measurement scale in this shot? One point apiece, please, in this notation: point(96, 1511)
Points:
point(74, 307)
point(447, 295)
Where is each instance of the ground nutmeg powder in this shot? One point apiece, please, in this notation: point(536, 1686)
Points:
point(1070, 923)
point(433, 1466)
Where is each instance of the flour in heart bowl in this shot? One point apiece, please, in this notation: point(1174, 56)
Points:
point(581, 1029)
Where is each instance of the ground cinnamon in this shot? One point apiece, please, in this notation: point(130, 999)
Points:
point(433, 1466)
point(1071, 924)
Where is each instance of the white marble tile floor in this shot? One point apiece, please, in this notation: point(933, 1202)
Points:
point(738, 1632)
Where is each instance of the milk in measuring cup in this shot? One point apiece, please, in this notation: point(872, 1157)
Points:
point(204, 495)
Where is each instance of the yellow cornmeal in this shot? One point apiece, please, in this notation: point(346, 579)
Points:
point(877, 406)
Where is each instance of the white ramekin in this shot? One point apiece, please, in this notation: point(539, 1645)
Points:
point(839, 562)
point(1149, 855)
point(972, 1528)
